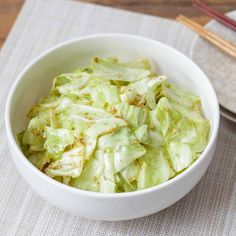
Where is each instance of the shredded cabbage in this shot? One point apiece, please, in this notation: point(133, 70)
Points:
point(114, 127)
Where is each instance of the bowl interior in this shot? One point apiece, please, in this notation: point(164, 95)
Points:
point(36, 80)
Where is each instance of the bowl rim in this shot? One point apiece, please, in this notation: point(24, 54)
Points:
point(86, 193)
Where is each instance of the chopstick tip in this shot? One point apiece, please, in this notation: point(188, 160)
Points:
point(179, 17)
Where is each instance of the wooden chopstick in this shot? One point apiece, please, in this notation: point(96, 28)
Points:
point(211, 37)
point(215, 14)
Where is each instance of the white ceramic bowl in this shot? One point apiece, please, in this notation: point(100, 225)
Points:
point(36, 80)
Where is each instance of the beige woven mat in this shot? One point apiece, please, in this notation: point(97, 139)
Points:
point(209, 209)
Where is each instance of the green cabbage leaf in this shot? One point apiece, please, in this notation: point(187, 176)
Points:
point(113, 127)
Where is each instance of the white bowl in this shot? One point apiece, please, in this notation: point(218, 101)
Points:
point(36, 80)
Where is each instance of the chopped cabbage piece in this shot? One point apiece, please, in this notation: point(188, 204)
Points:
point(114, 127)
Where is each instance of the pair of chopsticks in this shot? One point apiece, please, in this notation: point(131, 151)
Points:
point(223, 44)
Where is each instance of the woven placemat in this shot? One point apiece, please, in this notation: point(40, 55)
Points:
point(209, 209)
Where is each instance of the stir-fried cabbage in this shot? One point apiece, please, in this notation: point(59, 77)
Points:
point(114, 127)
